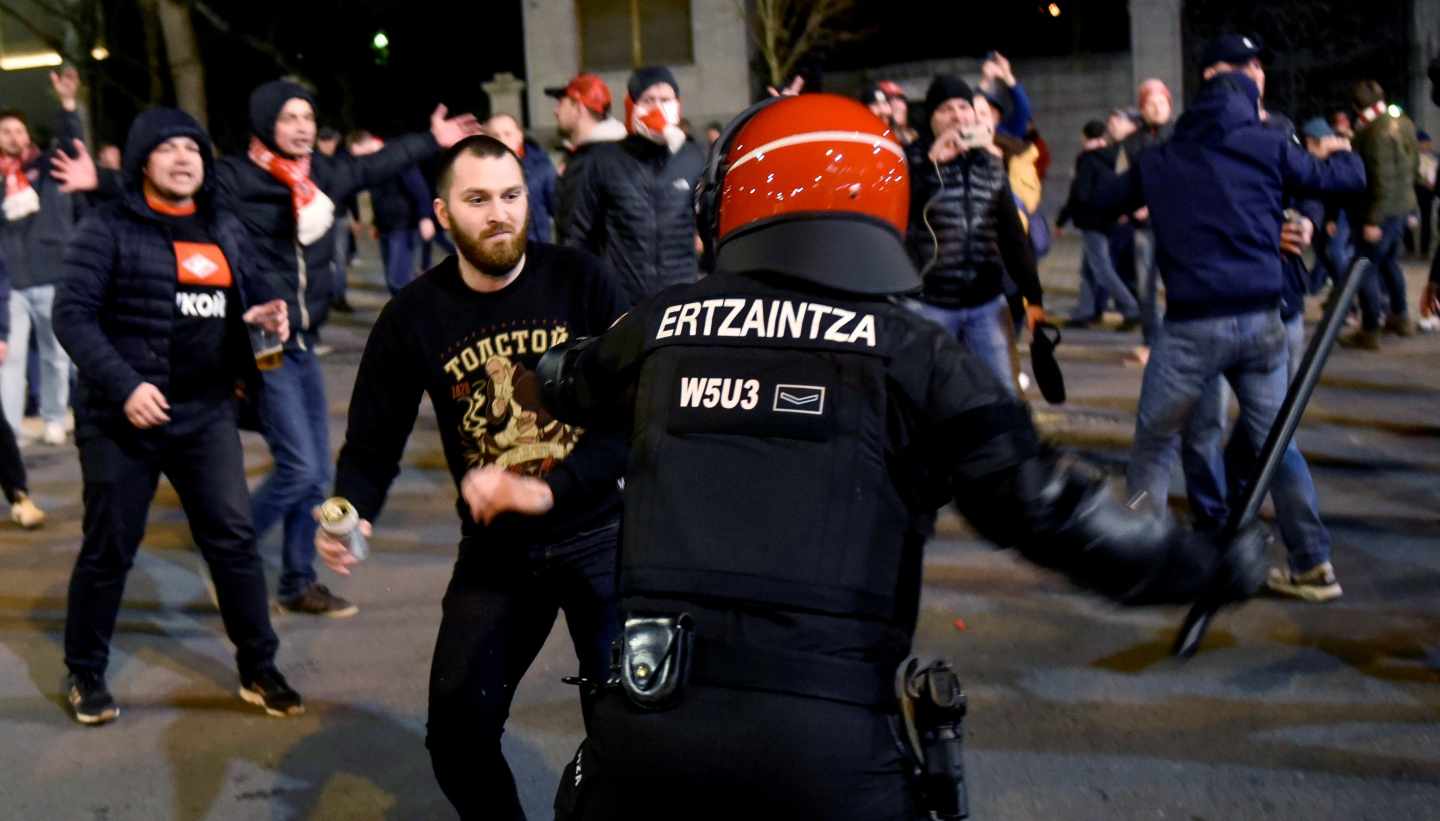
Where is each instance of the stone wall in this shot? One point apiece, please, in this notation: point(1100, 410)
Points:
point(715, 87)
point(1064, 91)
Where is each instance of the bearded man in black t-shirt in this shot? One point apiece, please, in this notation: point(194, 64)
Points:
point(152, 308)
point(538, 500)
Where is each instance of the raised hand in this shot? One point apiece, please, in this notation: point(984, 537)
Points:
point(449, 131)
point(75, 173)
point(66, 83)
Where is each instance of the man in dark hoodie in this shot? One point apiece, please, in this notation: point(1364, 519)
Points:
point(155, 290)
point(965, 232)
point(35, 226)
point(284, 194)
point(634, 206)
point(1215, 192)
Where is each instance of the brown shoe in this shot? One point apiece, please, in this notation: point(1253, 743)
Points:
point(1401, 325)
point(1361, 340)
point(317, 600)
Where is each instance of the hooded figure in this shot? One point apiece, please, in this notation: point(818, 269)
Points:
point(281, 192)
point(283, 199)
point(152, 307)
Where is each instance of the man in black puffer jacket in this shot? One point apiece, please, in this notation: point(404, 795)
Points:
point(965, 232)
point(150, 308)
point(634, 207)
point(283, 192)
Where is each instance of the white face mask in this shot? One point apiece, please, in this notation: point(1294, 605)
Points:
point(668, 134)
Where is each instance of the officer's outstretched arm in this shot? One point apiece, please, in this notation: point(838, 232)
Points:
point(1059, 513)
point(585, 378)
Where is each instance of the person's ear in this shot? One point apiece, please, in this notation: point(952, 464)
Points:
point(442, 213)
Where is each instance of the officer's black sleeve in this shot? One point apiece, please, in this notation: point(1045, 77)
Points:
point(587, 381)
point(1018, 492)
point(599, 458)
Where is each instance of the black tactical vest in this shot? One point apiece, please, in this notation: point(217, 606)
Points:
point(760, 469)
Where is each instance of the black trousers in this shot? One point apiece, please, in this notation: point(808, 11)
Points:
point(725, 754)
point(498, 611)
point(12, 468)
point(199, 452)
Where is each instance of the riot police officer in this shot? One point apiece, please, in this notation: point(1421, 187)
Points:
point(794, 428)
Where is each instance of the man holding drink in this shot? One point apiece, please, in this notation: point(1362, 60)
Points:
point(153, 310)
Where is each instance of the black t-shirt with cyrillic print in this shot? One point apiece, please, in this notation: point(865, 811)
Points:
point(474, 354)
point(207, 313)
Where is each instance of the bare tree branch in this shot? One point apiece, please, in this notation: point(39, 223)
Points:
point(787, 31)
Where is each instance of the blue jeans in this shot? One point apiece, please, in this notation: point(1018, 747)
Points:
point(295, 421)
point(1147, 284)
point(1251, 353)
point(1385, 254)
point(497, 613)
point(1332, 254)
point(397, 249)
point(984, 330)
point(1216, 471)
point(34, 306)
point(1104, 282)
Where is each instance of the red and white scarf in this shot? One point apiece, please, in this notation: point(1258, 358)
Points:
point(21, 199)
point(314, 212)
point(1368, 115)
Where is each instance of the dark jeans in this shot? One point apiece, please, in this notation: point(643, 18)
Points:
point(199, 452)
point(295, 421)
point(12, 467)
point(721, 753)
point(397, 250)
point(1385, 254)
point(497, 613)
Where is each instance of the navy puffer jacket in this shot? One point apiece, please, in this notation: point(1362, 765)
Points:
point(635, 209)
point(115, 307)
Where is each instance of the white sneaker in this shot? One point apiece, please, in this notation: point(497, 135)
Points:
point(54, 434)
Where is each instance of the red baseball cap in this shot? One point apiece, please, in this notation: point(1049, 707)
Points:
point(587, 90)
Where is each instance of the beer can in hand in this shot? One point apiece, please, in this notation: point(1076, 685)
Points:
point(341, 521)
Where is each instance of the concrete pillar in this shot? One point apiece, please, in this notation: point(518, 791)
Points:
point(1424, 47)
point(1156, 45)
point(504, 90)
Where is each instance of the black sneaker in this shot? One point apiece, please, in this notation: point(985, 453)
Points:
point(89, 699)
point(317, 600)
point(269, 689)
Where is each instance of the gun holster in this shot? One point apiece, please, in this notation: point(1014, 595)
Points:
point(932, 708)
point(652, 658)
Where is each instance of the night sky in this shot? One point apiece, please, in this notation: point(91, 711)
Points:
point(443, 51)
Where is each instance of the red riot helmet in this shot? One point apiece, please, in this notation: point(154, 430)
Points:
point(813, 187)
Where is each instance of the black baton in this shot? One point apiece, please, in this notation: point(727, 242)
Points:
point(1192, 630)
